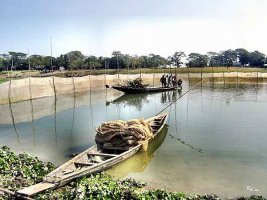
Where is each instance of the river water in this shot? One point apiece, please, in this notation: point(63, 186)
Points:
point(215, 140)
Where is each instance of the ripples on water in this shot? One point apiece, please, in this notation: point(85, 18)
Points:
point(215, 141)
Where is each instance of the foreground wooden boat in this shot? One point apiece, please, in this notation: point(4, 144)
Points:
point(133, 90)
point(92, 160)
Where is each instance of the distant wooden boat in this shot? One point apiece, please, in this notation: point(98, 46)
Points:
point(136, 90)
point(92, 160)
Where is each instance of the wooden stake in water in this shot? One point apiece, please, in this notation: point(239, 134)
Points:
point(212, 74)
point(201, 73)
point(188, 75)
point(128, 70)
point(237, 75)
point(118, 69)
point(29, 62)
point(257, 78)
point(105, 71)
point(154, 79)
point(223, 78)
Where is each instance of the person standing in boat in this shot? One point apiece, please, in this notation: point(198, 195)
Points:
point(169, 81)
point(166, 80)
point(162, 80)
point(174, 80)
point(179, 83)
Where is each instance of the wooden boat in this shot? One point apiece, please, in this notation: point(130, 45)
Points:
point(92, 160)
point(139, 161)
point(136, 90)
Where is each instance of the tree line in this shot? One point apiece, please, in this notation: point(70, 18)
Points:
point(75, 60)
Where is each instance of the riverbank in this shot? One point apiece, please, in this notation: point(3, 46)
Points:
point(18, 171)
point(184, 70)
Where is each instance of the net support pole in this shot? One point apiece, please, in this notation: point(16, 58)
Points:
point(30, 89)
point(188, 77)
point(237, 76)
point(257, 78)
point(73, 85)
point(105, 76)
point(118, 69)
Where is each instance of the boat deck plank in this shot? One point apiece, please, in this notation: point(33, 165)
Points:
point(34, 189)
point(84, 163)
point(103, 154)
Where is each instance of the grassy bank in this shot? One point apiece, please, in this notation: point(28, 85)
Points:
point(163, 70)
point(18, 171)
point(23, 74)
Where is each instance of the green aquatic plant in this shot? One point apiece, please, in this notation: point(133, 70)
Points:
point(18, 171)
point(98, 186)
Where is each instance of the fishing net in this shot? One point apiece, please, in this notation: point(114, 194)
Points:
point(124, 133)
point(135, 83)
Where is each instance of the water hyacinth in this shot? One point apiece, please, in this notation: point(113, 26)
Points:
point(18, 171)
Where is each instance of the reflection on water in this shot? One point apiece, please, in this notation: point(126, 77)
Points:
point(139, 100)
point(139, 161)
point(215, 141)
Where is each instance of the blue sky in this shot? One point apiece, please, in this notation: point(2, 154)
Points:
point(132, 26)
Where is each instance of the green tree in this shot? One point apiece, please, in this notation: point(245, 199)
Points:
point(213, 59)
point(74, 60)
point(197, 60)
point(229, 57)
point(1, 64)
point(176, 58)
point(243, 56)
point(156, 61)
point(37, 61)
point(18, 60)
point(256, 59)
point(94, 62)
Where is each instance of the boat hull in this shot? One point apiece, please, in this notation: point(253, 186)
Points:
point(92, 160)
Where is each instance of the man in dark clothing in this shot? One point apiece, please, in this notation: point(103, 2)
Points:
point(162, 80)
point(179, 83)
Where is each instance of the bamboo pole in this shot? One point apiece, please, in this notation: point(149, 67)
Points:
point(237, 75)
point(33, 129)
point(11, 111)
point(128, 67)
point(223, 78)
point(73, 83)
point(54, 86)
point(201, 73)
point(188, 77)
point(257, 78)
point(176, 70)
point(105, 76)
point(30, 89)
point(51, 60)
point(118, 69)
point(212, 74)
point(153, 78)
point(29, 63)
